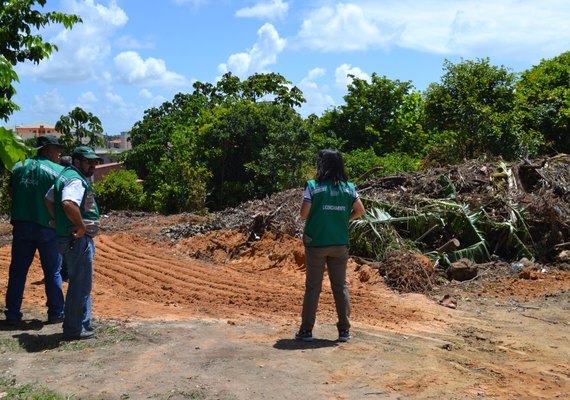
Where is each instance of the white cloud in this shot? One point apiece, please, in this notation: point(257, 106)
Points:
point(133, 70)
point(114, 99)
point(521, 29)
point(275, 9)
point(145, 94)
point(87, 98)
point(343, 80)
point(51, 103)
point(347, 27)
point(318, 99)
point(83, 49)
point(129, 42)
point(263, 53)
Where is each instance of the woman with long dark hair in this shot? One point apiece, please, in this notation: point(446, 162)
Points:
point(330, 202)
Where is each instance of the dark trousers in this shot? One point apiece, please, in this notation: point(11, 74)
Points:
point(335, 258)
point(27, 238)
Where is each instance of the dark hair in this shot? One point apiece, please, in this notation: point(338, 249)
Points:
point(330, 166)
point(65, 161)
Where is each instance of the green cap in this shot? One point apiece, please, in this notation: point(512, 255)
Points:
point(47, 140)
point(85, 152)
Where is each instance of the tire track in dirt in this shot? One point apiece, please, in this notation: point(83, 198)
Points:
point(134, 269)
point(138, 278)
point(190, 276)
point(162, 278)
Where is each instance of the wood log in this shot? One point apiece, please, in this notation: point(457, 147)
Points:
point(450, 245)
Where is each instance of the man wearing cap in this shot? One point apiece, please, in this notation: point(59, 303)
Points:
point(72, 202)
point(33, 230)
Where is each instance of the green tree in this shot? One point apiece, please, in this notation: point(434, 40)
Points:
point(119, 190)
point(371, 115)
point(281, 163)
point(202, 136)
point(77, 126)
point(154, 134)
point(238, 143)
point(178, 182)
point(544, 103)
point(474, 104)
point(19, 42)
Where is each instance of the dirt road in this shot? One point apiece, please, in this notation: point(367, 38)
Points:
point(194, 319)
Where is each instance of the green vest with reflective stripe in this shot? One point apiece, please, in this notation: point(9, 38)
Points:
point(30, 183)
point(331, 206)
point(88, 207)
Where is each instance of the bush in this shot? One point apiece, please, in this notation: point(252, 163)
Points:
point(119, 191)
point(5, 199)
point(366, 164)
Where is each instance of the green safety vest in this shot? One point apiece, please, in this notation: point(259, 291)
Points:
point(30, 182)
point(331, 206)
point(88, 207)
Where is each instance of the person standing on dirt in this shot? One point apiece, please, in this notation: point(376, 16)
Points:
point(33, 230)
point(329, 203)
point(72, 202)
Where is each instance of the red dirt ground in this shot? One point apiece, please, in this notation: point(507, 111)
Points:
point(508, 338)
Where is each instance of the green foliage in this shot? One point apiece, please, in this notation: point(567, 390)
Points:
point(281, 160)
point(177, 182)
point(153, 136)
point(7, 90)
point(77, 126)
point(373, 235)
point(267, 86)
point(359, 162)
point(5, 199)
point(12, 149)
point(365, 164)
point(19, 20)
point(544, 103)
point(119, 190)
point(10, 390)
point(374, 116)
point(475, 101)
point(398, 162)
point(253, 149)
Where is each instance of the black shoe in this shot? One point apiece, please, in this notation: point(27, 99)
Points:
point(91, 327)
point(344, 336)
point(82, 336)
point(54, 320)
point(305, 336)
point(12, 321)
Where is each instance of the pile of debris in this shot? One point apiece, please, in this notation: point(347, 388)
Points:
point(476, 212)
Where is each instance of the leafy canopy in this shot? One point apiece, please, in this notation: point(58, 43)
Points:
point(474, 104)
point(20, 41)
point(79, 127)
point(544, 102)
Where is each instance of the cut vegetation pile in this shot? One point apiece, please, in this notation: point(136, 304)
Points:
point(481, 212)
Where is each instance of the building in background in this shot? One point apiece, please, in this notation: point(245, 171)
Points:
point(109, 153)
point(37, 130)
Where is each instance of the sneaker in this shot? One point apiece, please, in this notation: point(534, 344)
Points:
point(305, 336)
point(91, 327)
point(344, 336)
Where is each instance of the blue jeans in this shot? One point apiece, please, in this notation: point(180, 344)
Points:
point(27, 237)
point(78, 255)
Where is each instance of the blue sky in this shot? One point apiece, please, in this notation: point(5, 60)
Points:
point(131, 55)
